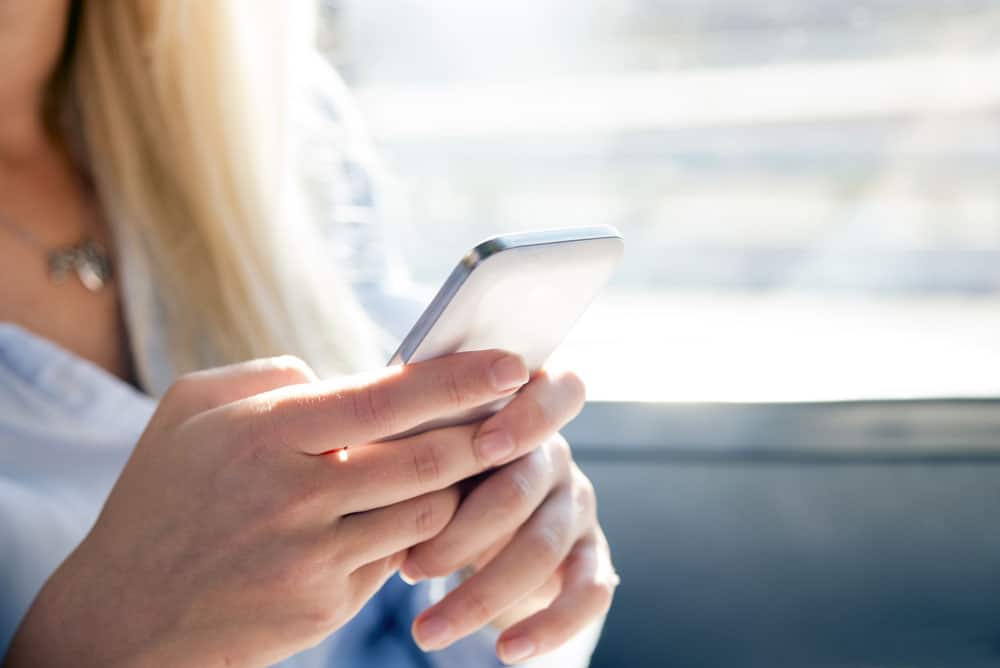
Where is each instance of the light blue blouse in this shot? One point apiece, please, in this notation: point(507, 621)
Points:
point(67, 427)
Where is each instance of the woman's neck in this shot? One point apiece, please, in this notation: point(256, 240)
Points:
point(23, 137)
point(31, 42)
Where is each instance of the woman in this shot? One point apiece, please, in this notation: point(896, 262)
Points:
point(153, 514)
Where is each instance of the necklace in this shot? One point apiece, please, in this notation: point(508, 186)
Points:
point(88, 258)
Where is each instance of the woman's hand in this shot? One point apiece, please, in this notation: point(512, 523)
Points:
point(230, 537)
point(529, 529)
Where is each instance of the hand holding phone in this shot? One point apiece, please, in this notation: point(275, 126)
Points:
point(525, 532)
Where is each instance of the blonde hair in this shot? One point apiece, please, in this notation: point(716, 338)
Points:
point(185, 112)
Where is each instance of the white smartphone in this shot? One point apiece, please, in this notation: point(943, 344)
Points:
point(516, 292)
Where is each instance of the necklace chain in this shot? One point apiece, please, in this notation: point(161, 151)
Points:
point(24, 234)
point(88, 257)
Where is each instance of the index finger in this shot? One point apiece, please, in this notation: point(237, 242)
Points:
point(338, 413)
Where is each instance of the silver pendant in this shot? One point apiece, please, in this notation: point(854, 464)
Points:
point(88, 259)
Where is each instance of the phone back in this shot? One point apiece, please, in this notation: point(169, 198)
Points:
point(521, 293)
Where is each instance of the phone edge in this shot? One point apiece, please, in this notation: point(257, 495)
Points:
point(493, 245)
point(481, 252)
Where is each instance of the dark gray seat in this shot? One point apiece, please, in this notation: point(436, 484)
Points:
point(800, 535)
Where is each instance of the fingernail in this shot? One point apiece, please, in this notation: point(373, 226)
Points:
point(495, 445)
point(516, 649)
point(508, 372)
point(433, 633)
point(411, 573)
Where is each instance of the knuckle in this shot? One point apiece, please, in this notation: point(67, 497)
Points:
point(574, 386)
point(395, 561)
point(183, 387)
point(424, 515)
point(363, 404)
point(518, 491)
point(427, 460)
point(427, 560)
point(322, 618)
point(560, 456)
point(584, 498)
point(474, 606)
point(452, 389)
point(253, 439)
point(600, 593)
point(371, 405)
point(292, 369)
point(430, 514)
point(543, 464)
point(189, 394)
point(585, 489)
point(263, 428)
point(545, 543)
point(433, 564)
point(561, 449)
point(319, 614)
point(539, 414)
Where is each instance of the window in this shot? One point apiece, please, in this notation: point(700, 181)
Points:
point(809, 190)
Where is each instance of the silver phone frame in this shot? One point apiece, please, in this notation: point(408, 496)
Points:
point(472, 259)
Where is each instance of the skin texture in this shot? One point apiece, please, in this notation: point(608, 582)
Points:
point(232, 501)
point(42, 190)
point(233, 536)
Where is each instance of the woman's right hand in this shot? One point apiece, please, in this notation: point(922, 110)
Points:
point(230, 537)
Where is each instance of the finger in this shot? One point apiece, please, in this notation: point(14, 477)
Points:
point(385, 473)
point(498, 506)
point(546, 405)
point(382, 474)
point(328, 415)
point(367, 580)
point(529, 605)
point(522, 567)
point(589, 582)
point(200, 391)
point(367, 537)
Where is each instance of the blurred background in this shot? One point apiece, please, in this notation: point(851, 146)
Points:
point(794, 369)
point(819, 175)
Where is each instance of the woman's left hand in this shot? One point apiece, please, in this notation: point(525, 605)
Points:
point(529, 529)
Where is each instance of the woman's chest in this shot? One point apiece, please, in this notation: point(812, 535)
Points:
point(85, 322)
